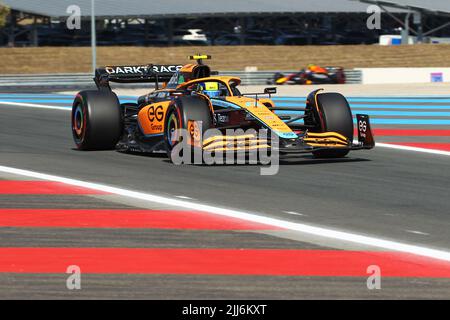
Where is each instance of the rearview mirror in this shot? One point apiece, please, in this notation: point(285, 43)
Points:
point(271, 90)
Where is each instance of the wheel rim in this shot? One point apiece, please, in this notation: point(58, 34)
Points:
point(78, 123)
point(172, 129)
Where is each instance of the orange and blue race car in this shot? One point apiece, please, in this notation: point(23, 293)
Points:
point(192, 94)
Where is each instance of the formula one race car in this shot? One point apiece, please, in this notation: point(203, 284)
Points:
point(198, 100)
point(311, 75)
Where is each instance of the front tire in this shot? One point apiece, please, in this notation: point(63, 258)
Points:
point(96, 120)
point(333, 113)
point(178, 116)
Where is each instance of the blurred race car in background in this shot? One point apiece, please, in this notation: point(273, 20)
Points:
point(313, 74)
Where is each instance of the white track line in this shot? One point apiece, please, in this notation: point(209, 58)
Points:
point(378, 144)
point(253, 217)
point(36, 106)
point(415, 149)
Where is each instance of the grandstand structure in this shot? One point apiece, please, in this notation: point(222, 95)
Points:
point(417, 9)
point(157, 22)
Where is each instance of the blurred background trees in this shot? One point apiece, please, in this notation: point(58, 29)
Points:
point(4, 11)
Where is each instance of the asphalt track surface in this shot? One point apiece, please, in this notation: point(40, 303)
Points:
point(387, 193)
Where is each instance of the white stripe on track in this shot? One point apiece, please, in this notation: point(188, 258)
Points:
point(378, 144)
point(36, 106)
point(253, 217)
point(414, 149)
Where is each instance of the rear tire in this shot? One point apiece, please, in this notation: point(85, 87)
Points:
point(96, 120)
point(335, 115)
point(178, 115)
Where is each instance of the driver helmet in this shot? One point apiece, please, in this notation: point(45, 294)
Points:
point(211, 89)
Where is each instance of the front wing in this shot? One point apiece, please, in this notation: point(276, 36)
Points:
point(305, 143)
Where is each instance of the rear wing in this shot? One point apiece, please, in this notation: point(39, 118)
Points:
point(134, 74)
